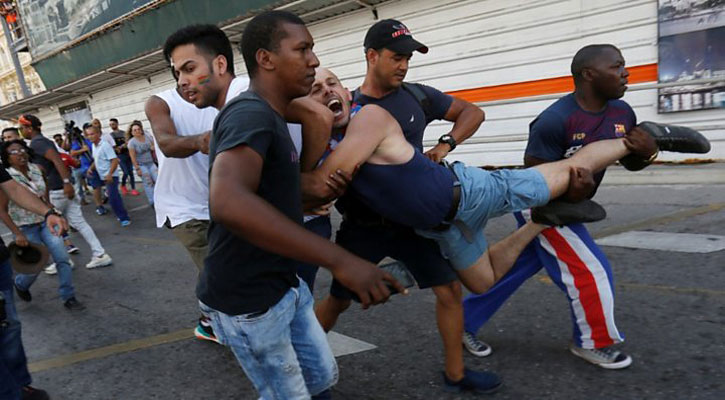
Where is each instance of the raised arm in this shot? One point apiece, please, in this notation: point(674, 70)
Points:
point(466, 118)
point(170, 143)
point(316, 120)
point(365, 132)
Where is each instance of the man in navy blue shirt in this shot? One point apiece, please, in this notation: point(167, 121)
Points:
point(389, 46)
point(572, 259)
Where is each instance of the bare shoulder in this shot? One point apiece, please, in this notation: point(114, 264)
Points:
point(373, 111)
point(155, 105)
point(373, 116)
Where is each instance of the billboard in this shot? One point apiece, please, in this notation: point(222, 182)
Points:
point(691, 47)
point(52, 24)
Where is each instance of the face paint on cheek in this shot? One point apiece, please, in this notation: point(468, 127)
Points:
point(204, 79)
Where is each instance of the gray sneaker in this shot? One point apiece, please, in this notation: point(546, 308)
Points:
point(475, 346)
point(606, 357)
point(103, 260)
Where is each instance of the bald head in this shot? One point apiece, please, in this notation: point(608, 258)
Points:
point(328, 90)
point(588, 57)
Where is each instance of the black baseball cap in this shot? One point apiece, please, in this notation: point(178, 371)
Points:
point(392, 35)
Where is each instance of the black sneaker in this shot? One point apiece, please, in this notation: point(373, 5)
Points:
point(676, 138)
point(31, 393)
point(473, 381)
point(23, 294)
point(74, 305)
point(559, 212)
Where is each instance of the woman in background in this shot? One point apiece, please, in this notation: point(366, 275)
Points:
point(140, 148)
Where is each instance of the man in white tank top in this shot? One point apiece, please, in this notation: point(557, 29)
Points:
point(181, 133)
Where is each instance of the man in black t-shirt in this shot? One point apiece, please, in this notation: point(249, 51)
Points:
point(14, 373)
point(257, 305)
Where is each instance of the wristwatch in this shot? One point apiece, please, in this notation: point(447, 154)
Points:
point(53, 211)
point(66, 180)
point(448, 139)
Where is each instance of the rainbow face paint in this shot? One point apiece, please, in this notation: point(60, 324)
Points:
point(204, 79)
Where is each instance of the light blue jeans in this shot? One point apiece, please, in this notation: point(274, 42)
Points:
point(283, 351)
point(39, 233)
point(148, 175)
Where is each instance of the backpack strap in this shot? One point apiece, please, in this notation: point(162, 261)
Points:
point(420, 97)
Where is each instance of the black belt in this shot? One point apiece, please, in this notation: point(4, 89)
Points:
point(455, 202)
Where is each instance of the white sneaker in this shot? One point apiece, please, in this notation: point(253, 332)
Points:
point(52, 270)
point(475, 346)
point(606, 357)
point(100, 261)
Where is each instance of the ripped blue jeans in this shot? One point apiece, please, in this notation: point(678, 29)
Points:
point(283, 351)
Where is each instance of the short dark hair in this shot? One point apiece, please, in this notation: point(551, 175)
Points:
point(208, 39)
point(30, 120)
point(11, 128)
point(586, 56)
point(5, 156)
point(263, 32)
point(113, 120)
point(57, 134)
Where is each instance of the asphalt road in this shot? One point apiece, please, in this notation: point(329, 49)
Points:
point(134, 339)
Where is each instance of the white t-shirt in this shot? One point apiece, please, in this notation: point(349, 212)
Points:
point(181, 192)
point(103, 153)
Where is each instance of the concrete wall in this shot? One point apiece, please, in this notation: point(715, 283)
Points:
point(472, 44)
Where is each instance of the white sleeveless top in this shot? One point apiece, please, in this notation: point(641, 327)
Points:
point(181, 192)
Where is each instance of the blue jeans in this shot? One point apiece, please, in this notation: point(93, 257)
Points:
point(148, 175)
point(114, 198)
point(283, 351)
point(39, 233)
point(13, 364)
point(124, 160)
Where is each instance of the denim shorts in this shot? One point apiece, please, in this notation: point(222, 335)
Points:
point(94, 180)
point(485, 195)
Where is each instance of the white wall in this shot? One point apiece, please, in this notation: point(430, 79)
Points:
point(472, 43)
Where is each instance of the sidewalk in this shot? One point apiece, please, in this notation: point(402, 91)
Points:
point(667, 174)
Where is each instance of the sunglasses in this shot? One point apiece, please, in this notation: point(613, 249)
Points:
point(17, 151)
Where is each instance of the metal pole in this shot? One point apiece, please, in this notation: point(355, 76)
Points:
point(16, 61)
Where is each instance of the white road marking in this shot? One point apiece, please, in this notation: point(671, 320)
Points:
point(667, 241)
point(344, 345)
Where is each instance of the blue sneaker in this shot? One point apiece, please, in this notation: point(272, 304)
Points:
point(126, 222)
point(473, 381)
point(100, 210)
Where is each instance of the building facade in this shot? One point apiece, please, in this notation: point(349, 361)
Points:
point(510, 57)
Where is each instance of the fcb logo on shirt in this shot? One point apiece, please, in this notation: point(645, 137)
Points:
point(619, 129)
